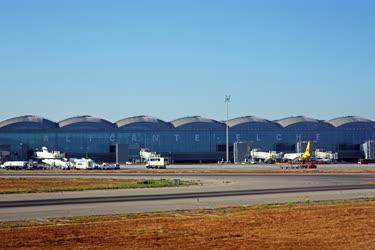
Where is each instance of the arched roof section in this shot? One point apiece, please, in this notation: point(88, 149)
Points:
point(352, 122)
point(86, 122)
point(197, 122)
point(303, 123)
point(252, 123)
point(143, 122)
point(27, 122)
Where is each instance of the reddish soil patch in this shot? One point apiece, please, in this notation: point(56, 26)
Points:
point(339, 226)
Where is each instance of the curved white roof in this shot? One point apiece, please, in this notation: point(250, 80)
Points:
point(289, 121)
point(195, 119)
point(143, 119)
point(146, 122)
point(35, 121)
point(250, 120)
point(85, 119)
point(346, 120)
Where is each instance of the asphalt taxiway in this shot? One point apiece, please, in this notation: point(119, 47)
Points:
point(217, 190)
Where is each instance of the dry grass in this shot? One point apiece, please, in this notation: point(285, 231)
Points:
point(334, 226)
point(38, 185)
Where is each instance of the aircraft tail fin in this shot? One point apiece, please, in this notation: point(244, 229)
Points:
point(308, 151)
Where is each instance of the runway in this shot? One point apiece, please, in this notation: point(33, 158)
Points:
point(217, 190)
point(157, 197)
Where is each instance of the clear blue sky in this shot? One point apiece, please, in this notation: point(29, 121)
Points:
point(169, 59)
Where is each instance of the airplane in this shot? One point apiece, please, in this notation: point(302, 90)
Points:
point(45, 154)
point(300, 156)
point(53, 159)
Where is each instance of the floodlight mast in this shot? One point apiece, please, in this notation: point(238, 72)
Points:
point(227, 101)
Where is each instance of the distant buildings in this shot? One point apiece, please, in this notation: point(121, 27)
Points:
point(186, 139)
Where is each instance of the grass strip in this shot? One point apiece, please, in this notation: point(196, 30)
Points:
point(43, 185)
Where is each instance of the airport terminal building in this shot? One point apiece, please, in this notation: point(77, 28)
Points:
point(188, 139)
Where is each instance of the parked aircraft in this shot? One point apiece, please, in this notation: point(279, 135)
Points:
point(53, 159)
point(45, 154)
point(300, 156)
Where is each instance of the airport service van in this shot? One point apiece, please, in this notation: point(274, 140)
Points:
point(157, 162)
point(83, 163)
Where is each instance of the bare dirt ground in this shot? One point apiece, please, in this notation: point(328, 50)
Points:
point(317, 226)
point(37, 185)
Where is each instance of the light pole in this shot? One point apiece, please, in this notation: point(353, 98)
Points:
point(227, 101)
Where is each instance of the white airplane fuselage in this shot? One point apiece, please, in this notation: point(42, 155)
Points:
point(292, 156)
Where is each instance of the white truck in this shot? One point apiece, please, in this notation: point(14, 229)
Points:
point(15, 165)
point(325, 156)
point(258, 156)
point(152, 159)
point(157, 162)
point(83, 163)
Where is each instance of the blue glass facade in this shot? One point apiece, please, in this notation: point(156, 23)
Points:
point(192, 137)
